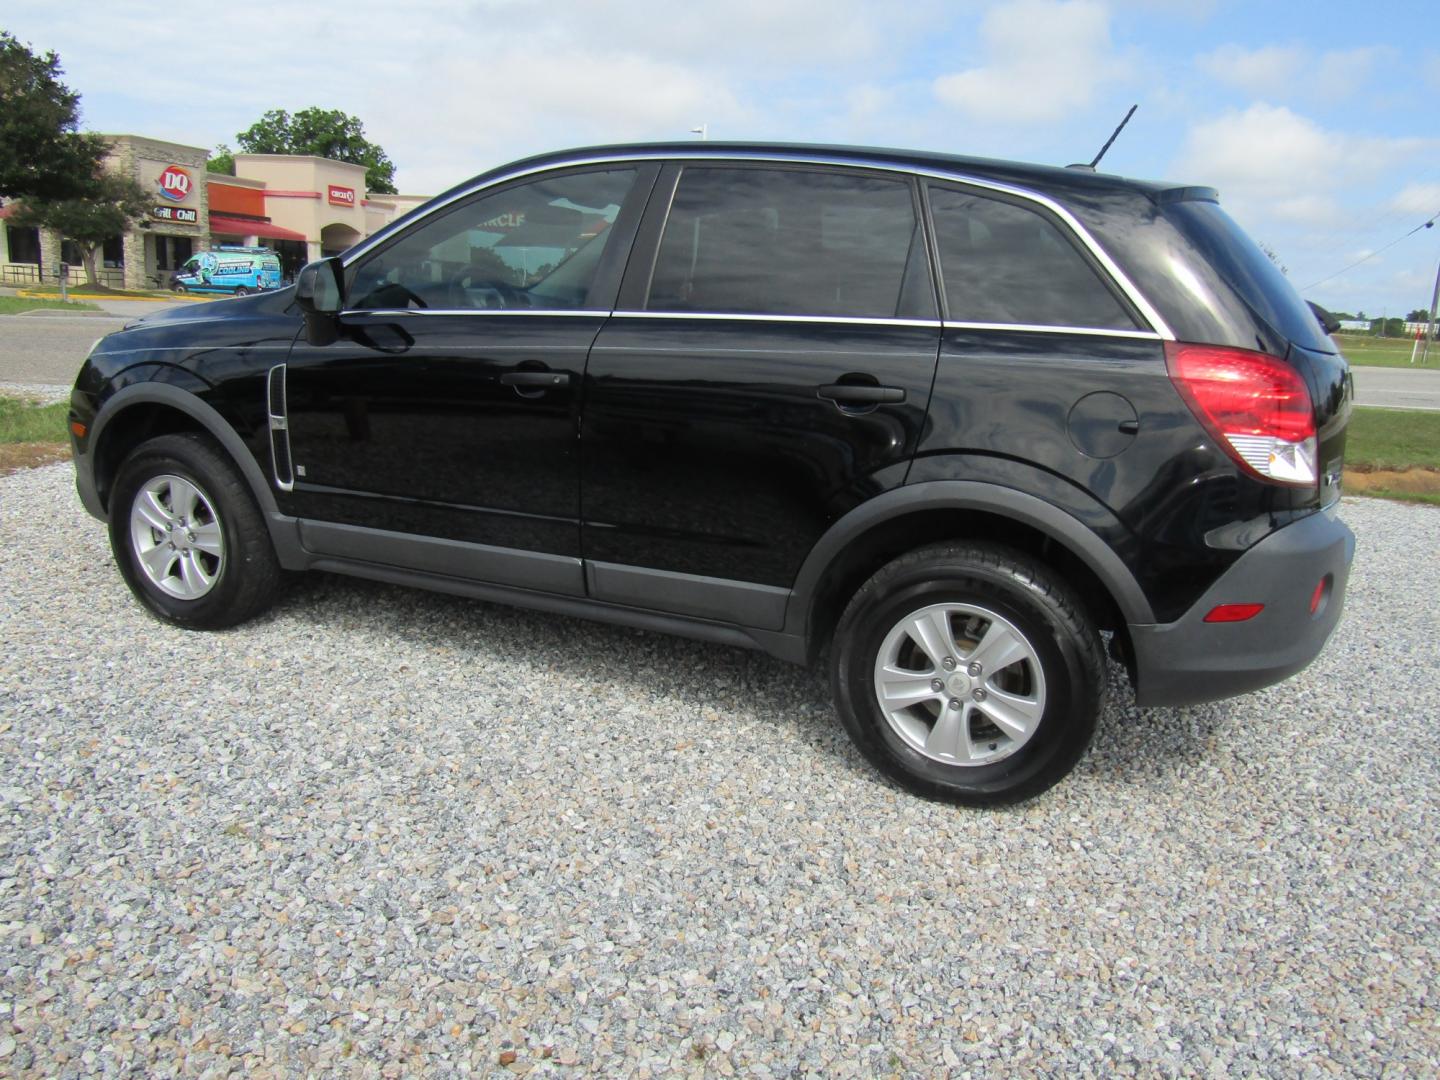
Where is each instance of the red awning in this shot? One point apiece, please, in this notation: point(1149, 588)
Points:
point(233, 226)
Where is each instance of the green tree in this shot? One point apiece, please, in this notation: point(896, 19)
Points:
point(41, 153)
point(222, 161)
point(327, 133)
point(107, 208)
point(1418, 315)
point(1387, 327)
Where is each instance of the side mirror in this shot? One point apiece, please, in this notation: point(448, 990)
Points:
point(320, 292)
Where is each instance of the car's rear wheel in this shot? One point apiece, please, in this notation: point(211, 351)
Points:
point(970, 673)
point(188, 537)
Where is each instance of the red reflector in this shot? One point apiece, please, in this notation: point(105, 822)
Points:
point(78, 429)
point(1318, 595)
point(1234, 612)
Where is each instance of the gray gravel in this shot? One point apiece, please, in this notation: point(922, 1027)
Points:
point(383, 832)
point(46, 393)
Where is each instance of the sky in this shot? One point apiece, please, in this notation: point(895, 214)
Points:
point(1316, 121)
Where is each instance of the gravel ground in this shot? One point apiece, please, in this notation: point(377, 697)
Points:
point(382, 832)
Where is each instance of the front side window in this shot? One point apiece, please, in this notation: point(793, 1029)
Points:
point(1004, 263)
point(534, 244)
point(791, 242)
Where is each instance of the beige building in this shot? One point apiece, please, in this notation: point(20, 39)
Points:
point(303, 207)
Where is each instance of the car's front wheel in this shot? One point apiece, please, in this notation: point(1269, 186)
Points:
point(968, 672)
point(188, 537)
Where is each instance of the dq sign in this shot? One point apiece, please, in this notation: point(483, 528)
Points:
point(175, 183)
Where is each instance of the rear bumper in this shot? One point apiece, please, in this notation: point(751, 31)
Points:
point(1190, 660)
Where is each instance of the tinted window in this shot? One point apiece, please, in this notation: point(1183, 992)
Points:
point(1005, 264)
point(531, 245)
point(792, 242)
point(1248, 271)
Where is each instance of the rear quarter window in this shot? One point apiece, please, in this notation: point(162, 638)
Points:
point(1008, 265)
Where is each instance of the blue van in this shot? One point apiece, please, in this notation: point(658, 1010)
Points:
point(231, 269)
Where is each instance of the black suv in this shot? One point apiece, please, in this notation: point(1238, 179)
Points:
point(956, 425)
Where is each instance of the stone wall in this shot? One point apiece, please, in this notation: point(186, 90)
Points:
point(128, 154)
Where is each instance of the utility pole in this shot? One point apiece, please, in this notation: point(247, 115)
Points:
point(1430, 330)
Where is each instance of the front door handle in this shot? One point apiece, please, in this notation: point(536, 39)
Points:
point(537, 380)
point(861, 394)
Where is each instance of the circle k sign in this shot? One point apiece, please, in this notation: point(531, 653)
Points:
point(175, 183)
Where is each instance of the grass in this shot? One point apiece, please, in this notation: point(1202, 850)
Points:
point(24, 421)
point(14, 305)
point(31, 434)
point(1365, 351)
point(1393, 439)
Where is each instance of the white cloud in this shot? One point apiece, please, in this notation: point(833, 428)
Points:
point(521, 102)
point(1274, 162)
point(450, 87)
point(1287, 72)
point(1421, 199)
point(1267, 71)
point(1045, 59)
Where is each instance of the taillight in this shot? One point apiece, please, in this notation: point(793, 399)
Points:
point(1255, 405)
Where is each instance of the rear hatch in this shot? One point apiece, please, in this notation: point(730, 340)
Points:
point(1265, 313)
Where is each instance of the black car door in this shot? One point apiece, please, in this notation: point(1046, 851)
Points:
point(768, 368)
point(440, 431)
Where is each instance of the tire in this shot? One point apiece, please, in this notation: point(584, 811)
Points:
point(999, 732)
point(182, 490)
point(181, 289)
point(241, 290)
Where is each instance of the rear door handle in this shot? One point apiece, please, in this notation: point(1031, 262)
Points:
point(861, 394)
point(538, 380)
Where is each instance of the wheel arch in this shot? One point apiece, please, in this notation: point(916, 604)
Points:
point(144, 410)
point(868, 537)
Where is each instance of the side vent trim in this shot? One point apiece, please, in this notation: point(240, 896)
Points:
point(279, 429)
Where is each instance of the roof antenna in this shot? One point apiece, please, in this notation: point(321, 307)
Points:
point(1115, 135)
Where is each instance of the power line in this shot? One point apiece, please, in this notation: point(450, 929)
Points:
point(1377, 251)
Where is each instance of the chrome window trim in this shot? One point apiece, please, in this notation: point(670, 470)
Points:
point(1117, 275)
point(391, 312)
point(1037, 328)
point(848, 320)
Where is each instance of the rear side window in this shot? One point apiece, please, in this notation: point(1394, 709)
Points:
point(792, 242)
point(1002, 263)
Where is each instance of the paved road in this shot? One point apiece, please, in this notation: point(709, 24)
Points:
point(49, 347)
point(1398, 388)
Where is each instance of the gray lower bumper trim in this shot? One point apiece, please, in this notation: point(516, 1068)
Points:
point(1190, 660)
